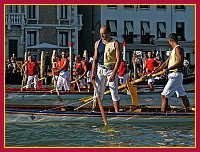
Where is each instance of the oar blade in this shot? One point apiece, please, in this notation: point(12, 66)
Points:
point(107, 128)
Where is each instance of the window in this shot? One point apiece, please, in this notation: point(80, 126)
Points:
point(180, 7)
point(31, 12)
point(113, 26)
point(129, 27)
point(112, 6)
point(129, 6)
point(63, 12)
point(145, 32)
point(180, 31)
point(161, 30)
point(144, 6)
point(128, 31)
point(161, 6)
point(31, 38)
point(63, 39)
point(12, 9)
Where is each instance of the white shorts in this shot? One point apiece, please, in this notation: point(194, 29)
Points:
point(123, 78)
point(174, 85)
point(88, 76)
point(151, 80)
point(30, 79)
point(102, 78)
point(63, 80)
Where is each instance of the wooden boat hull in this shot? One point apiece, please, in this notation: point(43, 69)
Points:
point(125, 111)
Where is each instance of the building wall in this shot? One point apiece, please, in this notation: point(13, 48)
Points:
point(170, 15)
point(48, 14)
point(46, 24)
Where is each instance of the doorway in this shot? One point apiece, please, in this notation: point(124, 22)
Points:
point(13, 48)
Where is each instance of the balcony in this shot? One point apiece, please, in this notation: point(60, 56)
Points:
point(15, 19)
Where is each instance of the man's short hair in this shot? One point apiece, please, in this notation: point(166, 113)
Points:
point(173, 37)
point(107, 28)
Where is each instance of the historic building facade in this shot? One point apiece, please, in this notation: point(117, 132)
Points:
point(143, 27)
point(30, 25)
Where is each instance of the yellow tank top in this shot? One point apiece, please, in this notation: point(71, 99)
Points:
point(173, 59)
point(110, 54)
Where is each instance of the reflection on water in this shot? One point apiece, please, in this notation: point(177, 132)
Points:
point(87, 132)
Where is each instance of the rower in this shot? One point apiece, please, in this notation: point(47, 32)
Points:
point(33, 70)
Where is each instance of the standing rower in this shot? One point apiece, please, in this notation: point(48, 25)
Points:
point(174, 64)
point(105, 65)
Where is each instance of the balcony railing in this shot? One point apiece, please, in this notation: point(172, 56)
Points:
point(72, 22)
point(15, 19)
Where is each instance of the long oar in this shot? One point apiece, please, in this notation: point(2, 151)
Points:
point(78, 86)
point(57, 91)
point(133, 92)
point(83, 105)
point(22, 82)
point(147, 77)
point(106, 125)
point(86, 99)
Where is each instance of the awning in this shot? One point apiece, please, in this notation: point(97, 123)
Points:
point(129, 27)
point(146, 27)
point(112, 26)
point(162, 28)
point(44, 46)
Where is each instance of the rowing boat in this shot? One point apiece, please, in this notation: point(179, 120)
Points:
point(51, 91)
point(124, 111)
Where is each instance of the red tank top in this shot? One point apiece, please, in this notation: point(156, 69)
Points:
point(62, 63)
point(56, 67)
point(32, 68)
point(122, 69)
point(150, 64)
point(82, 62)
point(78, 68)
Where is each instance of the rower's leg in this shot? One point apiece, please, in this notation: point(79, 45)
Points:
point(164, 103)
point(151, 86)
point(186, 103)
point(89, 86)
point(116, 106)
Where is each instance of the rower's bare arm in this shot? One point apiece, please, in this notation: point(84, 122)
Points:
point(163, 66)
point(118, 57)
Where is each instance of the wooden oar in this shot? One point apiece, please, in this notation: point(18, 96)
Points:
point(22, 82)
point(86, 99)
point(147, 77)
point(76, 81)
point(57, 91)
point(133, 93)
point(78, 86)
point(106, 125)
